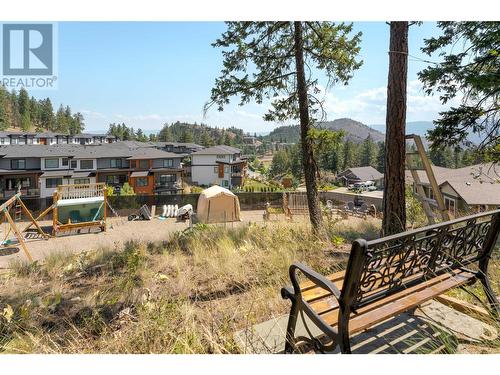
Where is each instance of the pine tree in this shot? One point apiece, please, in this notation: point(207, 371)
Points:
point(3, 111)
point(394, 219)
point(381, 157)
point(24, 109)
point(165, 134)
point(469, 63)
point(278, 54)
point(61, 124)
point(77, 124)
point(368, 152)
point(187, 137)
point(206, 140)
point(47, 120)
point(349, 156)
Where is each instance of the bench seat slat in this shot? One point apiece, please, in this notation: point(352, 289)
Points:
point(380, 311)
point(329, 303)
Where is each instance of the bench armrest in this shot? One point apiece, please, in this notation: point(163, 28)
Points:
point(313, 276)
point(295, 296)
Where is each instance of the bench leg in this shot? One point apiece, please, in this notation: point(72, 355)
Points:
point(344, 342)
point(290, 329)
point(490, 295)
point(488, 290)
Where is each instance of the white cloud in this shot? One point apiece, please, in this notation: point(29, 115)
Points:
point(367, 106)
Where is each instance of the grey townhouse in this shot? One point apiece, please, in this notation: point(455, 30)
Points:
point(38, 169)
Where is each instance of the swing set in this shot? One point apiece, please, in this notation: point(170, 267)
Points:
point(16, 203)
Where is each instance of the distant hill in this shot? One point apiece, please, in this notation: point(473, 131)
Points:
point(355, 131)
point(412, 127)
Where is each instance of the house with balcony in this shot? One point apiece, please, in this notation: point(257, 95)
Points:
point(219, 165)
point(155, 172)
point(19, 170)
point(469, 189)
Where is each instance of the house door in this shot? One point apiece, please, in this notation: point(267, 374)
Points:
point(221, 170)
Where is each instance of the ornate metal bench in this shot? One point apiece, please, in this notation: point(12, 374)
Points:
point(391, 275)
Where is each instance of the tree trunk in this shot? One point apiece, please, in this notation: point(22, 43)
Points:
point(310, 168)
point(394, 177)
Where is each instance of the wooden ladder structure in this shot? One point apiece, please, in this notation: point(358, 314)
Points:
point(426, 166)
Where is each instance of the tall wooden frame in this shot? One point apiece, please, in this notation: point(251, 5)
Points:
point(4, 210)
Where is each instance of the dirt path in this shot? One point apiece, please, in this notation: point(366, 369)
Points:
point(119, 231)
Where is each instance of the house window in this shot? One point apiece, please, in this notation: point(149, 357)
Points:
point(65, 162)
point(143, 164)
point(18, 164)
point(22, 141)
point(116, 163)
point(53, 182)
point(431, 194)
point(168, 163)
point(142, 181)
point(112, 180)
point(450, 205)
point(86, 164)
point(167, 178)
point(82, 181)
point(51, 163)
point(13, 183)
point(221, 156)
point(225, 183)
point(73, 164)
point(2, 141)
point(216, 169)
point(226, 169)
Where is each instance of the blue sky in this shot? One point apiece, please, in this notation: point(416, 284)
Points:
point(146, 74)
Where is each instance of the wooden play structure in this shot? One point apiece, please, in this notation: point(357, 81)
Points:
point(295, 203)
point(75, 207)
point(79, 206)
point(16, 205)
point(418, 161)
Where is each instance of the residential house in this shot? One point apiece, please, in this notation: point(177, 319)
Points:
point(155, 172)
point(178, 147)
point(360, 174)
point(218, 165)
point(469, 189)
point(38, 169)
point(19, 170)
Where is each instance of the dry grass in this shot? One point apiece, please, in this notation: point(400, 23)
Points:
point(186, 295)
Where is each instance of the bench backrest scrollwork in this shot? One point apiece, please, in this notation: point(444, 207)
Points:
point(387, 265)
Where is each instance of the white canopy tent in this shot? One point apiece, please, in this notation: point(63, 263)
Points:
point(218, 205)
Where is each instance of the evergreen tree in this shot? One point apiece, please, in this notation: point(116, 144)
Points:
point(165, 134)
point(187, 137)
point(470, 64)
point(381, 157)
point(280, 163)
point(24, 109)
point(77, 124)
point(140, 136)
point(47, 120)
point(61, 124)
point(349, 156)
point(368, 152)
point(394, 219)
point(3, 110)
point(206, 140)
point(278, 54)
